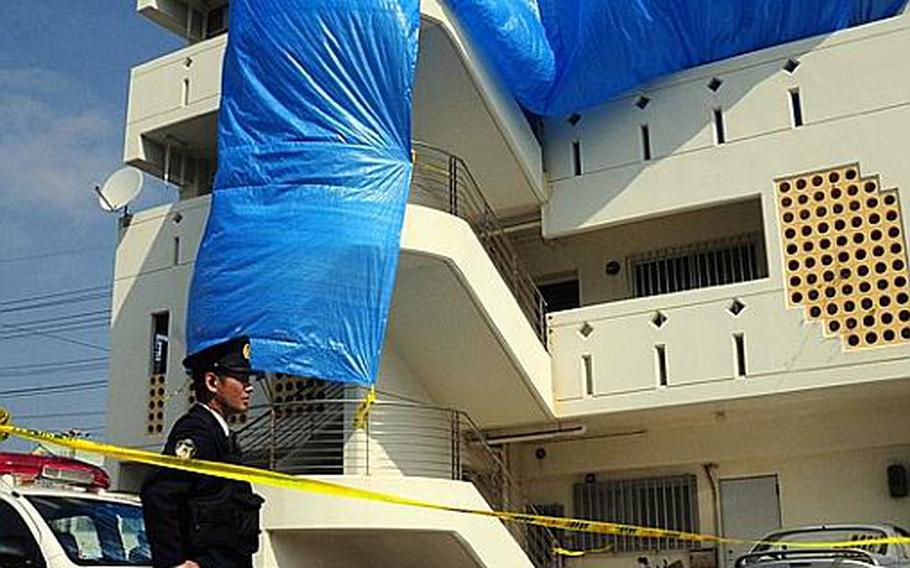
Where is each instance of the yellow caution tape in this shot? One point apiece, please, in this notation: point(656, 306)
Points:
point(4, 420)
point(576, 553)
point(285, 481)
point(363, 410)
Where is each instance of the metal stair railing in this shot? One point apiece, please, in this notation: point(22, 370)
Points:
point(443, 181)
point(272, 435)
point(395, 438)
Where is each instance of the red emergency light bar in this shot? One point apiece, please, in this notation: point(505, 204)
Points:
point(30, 468)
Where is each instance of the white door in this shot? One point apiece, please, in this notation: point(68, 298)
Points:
point(749, 509)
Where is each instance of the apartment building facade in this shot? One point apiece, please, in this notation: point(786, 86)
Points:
point(687, 308)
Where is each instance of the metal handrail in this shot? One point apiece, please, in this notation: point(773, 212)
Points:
point(321, 436)
point(443, 181)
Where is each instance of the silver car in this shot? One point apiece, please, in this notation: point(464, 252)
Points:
point(781, 549)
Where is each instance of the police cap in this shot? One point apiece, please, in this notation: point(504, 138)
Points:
point(233, 355)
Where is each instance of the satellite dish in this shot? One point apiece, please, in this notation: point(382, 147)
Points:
point(120, 189)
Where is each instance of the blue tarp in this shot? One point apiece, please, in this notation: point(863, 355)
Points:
point(302, 242)
point(563, 56)
point(301, 246)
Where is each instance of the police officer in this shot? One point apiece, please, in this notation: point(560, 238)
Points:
point(196, 520)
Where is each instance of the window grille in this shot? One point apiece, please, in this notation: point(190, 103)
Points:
point(713, 263)
point(660, 502)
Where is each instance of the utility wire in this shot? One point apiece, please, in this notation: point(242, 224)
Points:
point(55, 319)
point(55, 303)
point(76, 291)
point(31, 331)
point(54, 389)
point(50, 254)
point(100, 325)
point(53, 364)
point(53, 368)
point(16, 417)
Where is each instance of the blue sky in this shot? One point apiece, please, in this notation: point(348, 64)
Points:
point(64, 79)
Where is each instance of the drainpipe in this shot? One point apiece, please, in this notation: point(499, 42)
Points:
point(715, 507)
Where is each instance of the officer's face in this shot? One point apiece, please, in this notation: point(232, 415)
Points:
point(231, 392)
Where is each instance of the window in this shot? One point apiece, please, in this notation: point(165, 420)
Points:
point(660, 502)
point(720, 132)
point(16, 536)
point(713, 263)
point(645, 142)
point(796, 108)
point(561, 295)
point(216, 23)
point(93, 532)
point(160, 325)
point(576, 157)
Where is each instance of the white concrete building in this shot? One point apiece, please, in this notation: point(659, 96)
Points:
point(690, 371)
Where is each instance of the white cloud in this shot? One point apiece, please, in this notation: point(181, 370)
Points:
point(55, 141)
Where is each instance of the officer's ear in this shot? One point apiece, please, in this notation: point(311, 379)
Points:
point(211, 382)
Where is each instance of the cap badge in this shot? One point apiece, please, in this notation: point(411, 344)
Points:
point(185, 449)
point(246, 351)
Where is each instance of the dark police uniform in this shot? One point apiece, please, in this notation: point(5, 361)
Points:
point(209, 520)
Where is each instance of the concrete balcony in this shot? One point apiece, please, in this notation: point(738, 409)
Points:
point(332, 531)
point(458, 106)
point(703, 346)
point(444, 276)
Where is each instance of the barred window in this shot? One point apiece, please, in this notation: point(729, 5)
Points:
point(658, 502)
point(711, 263)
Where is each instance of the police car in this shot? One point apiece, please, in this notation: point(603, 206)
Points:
point(56, 513)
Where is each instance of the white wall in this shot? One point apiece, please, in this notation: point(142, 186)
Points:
point(855, 106)
point(288, 516)
point(830, 456)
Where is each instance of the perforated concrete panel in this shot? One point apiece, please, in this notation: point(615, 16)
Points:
point(845, 255)
point(156, 400)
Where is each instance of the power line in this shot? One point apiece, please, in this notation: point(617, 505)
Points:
point(62, 318)
point(99, 325)
point(56, 294)
point(30, 331)
point(16, 417)
point(49, 254)
point(55, 389)
point(53, 364)
point(55, 303)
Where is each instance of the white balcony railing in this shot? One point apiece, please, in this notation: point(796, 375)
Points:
point(710, 344)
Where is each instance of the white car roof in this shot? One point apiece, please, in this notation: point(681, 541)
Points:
point(59, 491)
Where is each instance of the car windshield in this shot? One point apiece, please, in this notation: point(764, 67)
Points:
point(95, 532)
point(783, 540)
